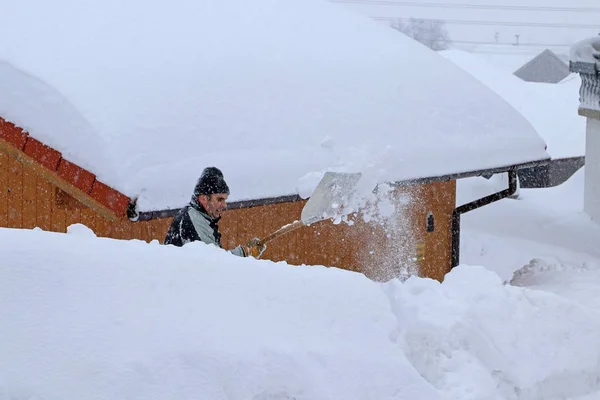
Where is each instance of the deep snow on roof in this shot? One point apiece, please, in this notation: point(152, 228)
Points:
point(550, 108)
point(267, 90)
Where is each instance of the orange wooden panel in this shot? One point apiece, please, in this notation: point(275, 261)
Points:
point(104, 228)
point(146, 231)
point(73, 216)
point(88, 218)
point(136, 231)
point(15, 193)
point(161, 227)
point(43, 204)
point(156, 229)
point(29, 198)
point(118, 228)
point(59, 218)
point(441, 201)
point(4, 162)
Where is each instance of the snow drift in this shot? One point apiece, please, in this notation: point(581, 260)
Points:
point(89, 318)
point(586, 50)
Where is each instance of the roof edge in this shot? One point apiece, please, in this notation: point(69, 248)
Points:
point(168, 213)
point(49, 163)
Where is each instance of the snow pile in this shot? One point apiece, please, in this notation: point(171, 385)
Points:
point(587, 50)
point(542, 223)
point(475, 338)
point(574, 279)
point(250, 87)
point(89, 318)
point(550, 108)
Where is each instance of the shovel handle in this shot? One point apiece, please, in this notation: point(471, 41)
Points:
point(281, 231)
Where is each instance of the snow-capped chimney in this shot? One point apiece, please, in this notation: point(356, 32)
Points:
point(585, 60)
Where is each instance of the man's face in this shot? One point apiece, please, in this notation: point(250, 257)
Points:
point(214, 204)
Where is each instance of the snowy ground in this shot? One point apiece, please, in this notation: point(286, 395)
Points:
point(547, 224)
point(88, 318)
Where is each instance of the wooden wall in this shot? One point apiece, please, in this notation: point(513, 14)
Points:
point(439, 198)
point(379, 249)
point(28, 201)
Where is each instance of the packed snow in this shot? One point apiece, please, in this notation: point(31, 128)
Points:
point(251, 87)
point(550, 108)
point(547, 224)
point(96, 318)
point(587, 50)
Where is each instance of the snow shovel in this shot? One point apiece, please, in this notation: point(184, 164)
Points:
point(327, 200)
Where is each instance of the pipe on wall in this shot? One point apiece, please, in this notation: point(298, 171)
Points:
point(512, 189)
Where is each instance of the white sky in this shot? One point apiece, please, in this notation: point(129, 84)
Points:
point(472, 32)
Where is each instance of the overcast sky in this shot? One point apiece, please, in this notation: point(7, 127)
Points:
point(465, 21)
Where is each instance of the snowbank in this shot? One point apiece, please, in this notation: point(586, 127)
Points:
point(571, 278)
point(587, 50)
point(550, 108)
point(546, 223)
point(475, 338)
point(90, 318)
point(253, 88)
point(87, 318)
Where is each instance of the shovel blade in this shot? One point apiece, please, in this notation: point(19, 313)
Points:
point(331, 194)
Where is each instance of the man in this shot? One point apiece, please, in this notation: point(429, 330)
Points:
point(198, 221)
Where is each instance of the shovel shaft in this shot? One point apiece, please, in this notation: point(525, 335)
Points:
point(281, 231)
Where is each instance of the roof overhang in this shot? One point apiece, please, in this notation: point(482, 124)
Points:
point(150, 215)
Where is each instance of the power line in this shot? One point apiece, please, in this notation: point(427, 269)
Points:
point(493, 23)
point(470, 6)
point(512, 44)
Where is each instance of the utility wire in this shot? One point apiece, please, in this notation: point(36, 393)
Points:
point(493, 23)
point(470, 6)
point(516, 45)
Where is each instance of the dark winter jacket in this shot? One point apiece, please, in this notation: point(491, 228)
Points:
point(191, 224)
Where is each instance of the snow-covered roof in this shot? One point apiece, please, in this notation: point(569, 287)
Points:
point(586, 50)
point(546, 67)
point(146, 95)
point(550, 108)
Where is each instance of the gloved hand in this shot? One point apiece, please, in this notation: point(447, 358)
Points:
point(254, 249)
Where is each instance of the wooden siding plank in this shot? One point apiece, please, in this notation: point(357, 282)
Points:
point(72, 217)
point(154, 230)
point(118, 229)
point(29, 198)
point(441, 201)
point(15, 193)
point(3, 189)
point(53, 177)
point(88, 218)
point(161, 228)
point(147, 231)
point(43, 204)
point(103, 227)
point(59, 219)
point(136, 231)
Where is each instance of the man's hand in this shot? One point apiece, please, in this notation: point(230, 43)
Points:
point(254, 249)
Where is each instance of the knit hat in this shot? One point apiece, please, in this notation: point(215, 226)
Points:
point(210, 182)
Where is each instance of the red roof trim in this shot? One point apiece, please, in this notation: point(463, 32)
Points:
point(52, 159)
point(13, 134)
